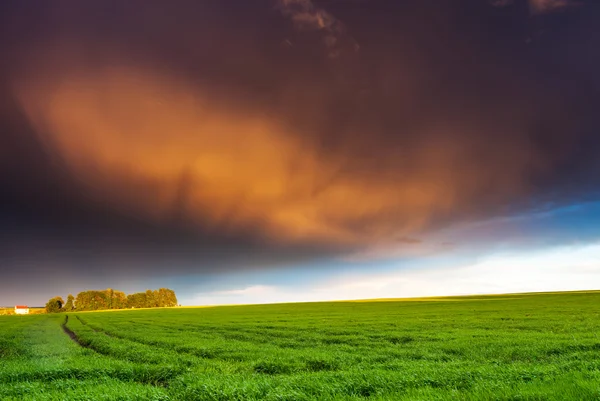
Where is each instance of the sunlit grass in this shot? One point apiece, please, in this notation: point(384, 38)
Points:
point(519, 347)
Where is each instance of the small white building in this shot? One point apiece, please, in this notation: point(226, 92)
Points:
point(21, 309)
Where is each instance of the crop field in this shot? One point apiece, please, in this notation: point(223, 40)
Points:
point(11, 311)
point(513, 347)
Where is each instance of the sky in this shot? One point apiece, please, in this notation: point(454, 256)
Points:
point(299, 150)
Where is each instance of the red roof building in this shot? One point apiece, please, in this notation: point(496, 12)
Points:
point(21, 309)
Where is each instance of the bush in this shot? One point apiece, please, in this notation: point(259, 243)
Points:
point(54, 305)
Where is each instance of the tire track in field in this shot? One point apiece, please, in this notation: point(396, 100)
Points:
point(162, 382)
point(152, 345)
point(106, 333)
point(73, 336)
point(122, 337)
point(95, 330)
point(182, 350)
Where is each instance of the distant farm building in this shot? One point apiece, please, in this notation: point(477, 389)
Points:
point(21, 310)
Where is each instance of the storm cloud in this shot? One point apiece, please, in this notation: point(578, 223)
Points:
point(174, 137)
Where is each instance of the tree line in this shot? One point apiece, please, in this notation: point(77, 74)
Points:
point(112, 299)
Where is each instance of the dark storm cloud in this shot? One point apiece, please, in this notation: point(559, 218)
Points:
point(197, 136)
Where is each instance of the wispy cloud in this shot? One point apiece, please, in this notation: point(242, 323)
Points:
point(307, 16)
point(539, 6)
point(544, 6)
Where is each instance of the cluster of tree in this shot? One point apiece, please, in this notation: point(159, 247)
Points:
point(112, 299)
point(100, 300)
point(152, 299)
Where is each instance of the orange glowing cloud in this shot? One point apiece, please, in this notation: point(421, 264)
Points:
point(150, 145)
point(154, 145)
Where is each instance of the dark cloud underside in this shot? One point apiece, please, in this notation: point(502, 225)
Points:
point(194, 136)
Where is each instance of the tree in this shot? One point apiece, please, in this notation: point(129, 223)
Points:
point(109, 297)
point(150, 299)
point(97, 300)
point(84, 300)
point(166, 297)
point(119, 300)
point(69, 306)
point(54, 305)
point(137, 300)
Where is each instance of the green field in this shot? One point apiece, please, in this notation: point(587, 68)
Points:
point(513, 347)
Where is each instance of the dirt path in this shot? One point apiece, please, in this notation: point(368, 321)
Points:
point(71, 334)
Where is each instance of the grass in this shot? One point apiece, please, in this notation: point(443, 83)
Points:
point(515, 347)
